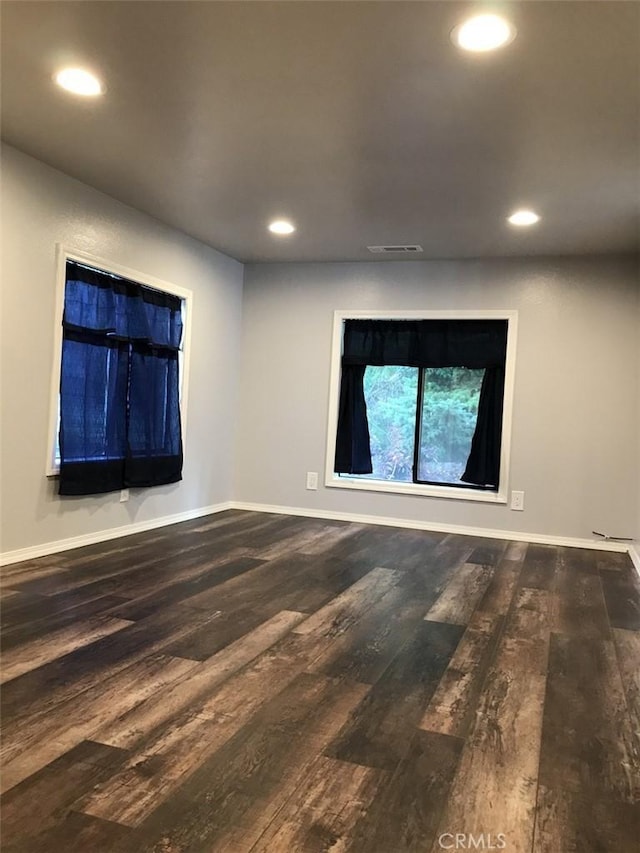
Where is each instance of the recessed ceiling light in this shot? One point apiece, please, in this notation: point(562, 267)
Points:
point(281, 226)
point(524, 217)
point(483, 32)
point(79, 81)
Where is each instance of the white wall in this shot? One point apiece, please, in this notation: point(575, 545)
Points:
point(41, 207)
point(576, 415)
point(575, 447)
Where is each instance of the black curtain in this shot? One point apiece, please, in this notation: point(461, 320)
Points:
point(483, 464)
point(423, 343)
point(119, 385)
point(353, 448)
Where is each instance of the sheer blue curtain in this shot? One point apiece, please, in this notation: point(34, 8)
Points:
point(119, 386)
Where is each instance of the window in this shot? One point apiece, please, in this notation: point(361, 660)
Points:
point(421, 403)
point(117, 378)
point(446, 402)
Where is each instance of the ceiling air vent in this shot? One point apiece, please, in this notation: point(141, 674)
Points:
point(396, 250)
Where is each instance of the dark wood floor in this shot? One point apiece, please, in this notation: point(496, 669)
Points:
point(254, 682)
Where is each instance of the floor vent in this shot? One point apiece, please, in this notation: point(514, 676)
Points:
point(397, 250)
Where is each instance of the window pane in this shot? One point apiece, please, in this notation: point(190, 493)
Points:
point(391, 394)
point(449, 413)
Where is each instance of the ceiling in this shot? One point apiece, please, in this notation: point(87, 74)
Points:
point(360, 121)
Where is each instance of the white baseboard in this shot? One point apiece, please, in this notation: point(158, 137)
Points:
point(594, 544)
point(22, 554)
point(634, 553)
point(43, 550)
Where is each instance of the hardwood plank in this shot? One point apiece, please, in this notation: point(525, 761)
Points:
point(237, 756)
point(33, 744)
point(578, 602)
point(268, 581)
point(570, 822)
point(529, 621)
point(405, 812)
point(80, 574)
point(152, 576)
point(310, 597)
point(337, 573)
point(8, 593)
point(77, 833)
point(346, 608)
point(167, 549)
point(539, 566)
point(380, 732)
point(494, 790)
point(133, 576)
point(51, 562)
point(129, 728)
point(498, 596)
point(53, 789)
point(41, 690)
point(589, 777)
point(16, 605)
point(622, 595)
point(303, 586)
point(288, 584)
point(452, 707)
point(193, 737)
point(435, 564)
point(364, 653)
point(515, 551)
point(224, 519)
point(320, 814)
point(402, 550)
point(461, 595)
point(34, 654)
point(320, 581)
point(613, 561)
point(250, 780)
point(279, 527)
point(588, 741)
point(48, 685)
point(340, 540)
point(627, 645)
point(214, 636)
point(26, 608)
point(45, 619)
point(174, 540)
point(176, 592)
point(348, 723)
point(488, 554)
point(105, 572)
point(15, 577)
point(301, 540)
point(499, 593)
point(301, 583)
point(343, 547)
point(427, 580)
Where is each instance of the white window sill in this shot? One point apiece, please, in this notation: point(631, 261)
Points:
point(417, 489)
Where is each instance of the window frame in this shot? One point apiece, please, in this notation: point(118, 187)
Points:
point(65, 253)
point(465, 493)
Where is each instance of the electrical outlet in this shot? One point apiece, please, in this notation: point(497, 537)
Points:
point(517, 500)
point(312, 479)
point(124, 495)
